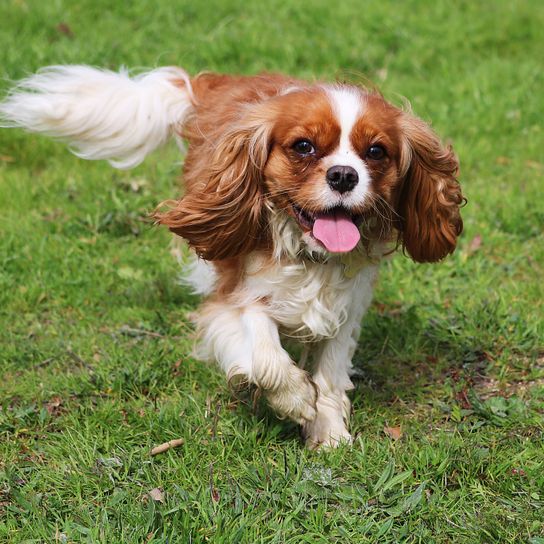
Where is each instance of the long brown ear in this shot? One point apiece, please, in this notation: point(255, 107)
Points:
point(431, 196)
point(223, 216)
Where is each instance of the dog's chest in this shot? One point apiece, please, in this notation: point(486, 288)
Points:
point(309, 300)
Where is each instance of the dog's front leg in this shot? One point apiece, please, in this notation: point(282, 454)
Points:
point(333, 362)
point(246, 344)
point(333, 368)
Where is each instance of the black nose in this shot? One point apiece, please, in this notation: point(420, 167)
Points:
point(342, 178)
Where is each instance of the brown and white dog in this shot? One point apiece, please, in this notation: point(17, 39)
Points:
point(294, 192)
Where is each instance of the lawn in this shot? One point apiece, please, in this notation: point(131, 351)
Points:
point(95, 332)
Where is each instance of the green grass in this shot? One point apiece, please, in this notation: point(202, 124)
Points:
point(95, 330)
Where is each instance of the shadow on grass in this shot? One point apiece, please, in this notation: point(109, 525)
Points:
point(400, 352)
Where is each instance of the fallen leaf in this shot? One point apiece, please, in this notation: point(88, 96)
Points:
point(176, 370)
point(157, 494)
point(6, 158)
point(462, 397)
point(475, 244)
point(393, 432)
point(63, 28)
point(53, 406)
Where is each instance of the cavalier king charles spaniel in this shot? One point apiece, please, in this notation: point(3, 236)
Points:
point(294, 193)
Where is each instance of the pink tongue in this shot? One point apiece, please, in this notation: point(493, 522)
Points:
point(336, 231)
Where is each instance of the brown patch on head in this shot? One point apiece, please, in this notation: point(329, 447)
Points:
point(291, 177)
point(307, 114)
point(378, 126)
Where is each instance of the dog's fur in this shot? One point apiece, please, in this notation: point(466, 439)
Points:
point(285, 243)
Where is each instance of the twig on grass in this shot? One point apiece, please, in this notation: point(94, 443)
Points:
point(45, 362)
point(130, 331)
point(75, 357)
point(137, 333)
point(166, 446)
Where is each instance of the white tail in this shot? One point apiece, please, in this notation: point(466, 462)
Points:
point(99, 113)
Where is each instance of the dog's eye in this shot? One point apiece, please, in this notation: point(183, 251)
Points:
point(304, 147)
point(375, 152)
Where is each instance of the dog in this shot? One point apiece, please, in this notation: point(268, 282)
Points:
point(294, 193)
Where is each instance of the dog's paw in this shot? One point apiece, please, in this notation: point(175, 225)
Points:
point(324, 439)
point(328, 430)
point(296, 398)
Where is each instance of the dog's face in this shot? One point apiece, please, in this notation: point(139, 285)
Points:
point(339, 161)
point(334, 158)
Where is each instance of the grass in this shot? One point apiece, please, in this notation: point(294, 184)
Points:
point(95, 330)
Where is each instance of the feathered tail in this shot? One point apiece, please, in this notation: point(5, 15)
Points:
point(99, 113)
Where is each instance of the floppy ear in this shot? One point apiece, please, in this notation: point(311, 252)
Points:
point(223, 215)
point(430, 196)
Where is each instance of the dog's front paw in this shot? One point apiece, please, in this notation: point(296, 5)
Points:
point(323, 439)
point(328, 429)
point(295, 398)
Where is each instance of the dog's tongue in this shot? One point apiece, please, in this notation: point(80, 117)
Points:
point(336, 231)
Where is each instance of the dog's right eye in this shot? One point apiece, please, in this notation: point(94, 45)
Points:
point(304, 147)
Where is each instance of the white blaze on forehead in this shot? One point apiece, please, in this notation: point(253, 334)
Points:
point(348, 106)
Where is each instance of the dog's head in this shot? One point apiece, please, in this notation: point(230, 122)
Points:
point(336, 160)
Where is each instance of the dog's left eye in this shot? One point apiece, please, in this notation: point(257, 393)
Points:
point(375, 152)
point(304, 147)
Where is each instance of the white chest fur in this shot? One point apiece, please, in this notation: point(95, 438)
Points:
point(309, 300)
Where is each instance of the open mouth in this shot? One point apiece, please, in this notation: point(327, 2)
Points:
point(305, 219)
point(336, 229)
